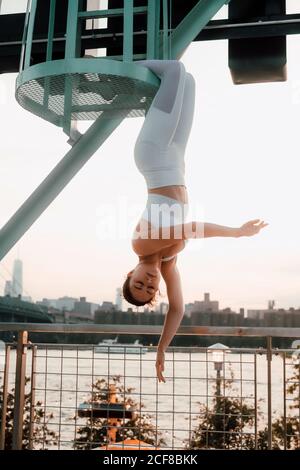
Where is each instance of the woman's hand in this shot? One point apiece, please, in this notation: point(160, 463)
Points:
point(251, 228)
point(160, 365)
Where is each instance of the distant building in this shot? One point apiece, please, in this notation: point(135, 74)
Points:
point(66, 303)
point(107, 306)
point(76, 317)
point(119, 299)
point(206, 305)
point(271, 304)
point(162, 308)
point(63, 303)
point(17, 280)
point(259, 314)
point(57, 316)
point(84, 308)
point(8, 289)
point(16, 310)
point(47, 303)
point(188, 309)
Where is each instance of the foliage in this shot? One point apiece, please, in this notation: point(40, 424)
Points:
point(94, 432)
point(288, 430)
point(42, 436)
point(226, 424)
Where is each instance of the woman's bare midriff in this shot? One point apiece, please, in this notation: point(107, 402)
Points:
point(175, 192)
point(180, 194)
point(173, 250)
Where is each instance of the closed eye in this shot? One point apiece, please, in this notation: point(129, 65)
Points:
point(139, 286)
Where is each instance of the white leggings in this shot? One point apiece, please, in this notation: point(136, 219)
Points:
point(160, 146)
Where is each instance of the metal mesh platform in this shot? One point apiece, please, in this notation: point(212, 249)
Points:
point(85, 96)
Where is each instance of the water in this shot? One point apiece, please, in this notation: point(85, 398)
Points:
point(64, 379)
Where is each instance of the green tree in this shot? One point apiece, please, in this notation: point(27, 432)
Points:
point(287, 430)
point(227, 423)
point(224, 425)
point(42, 435)
point(94, 432)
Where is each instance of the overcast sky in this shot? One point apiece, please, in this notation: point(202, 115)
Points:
point(242, 162)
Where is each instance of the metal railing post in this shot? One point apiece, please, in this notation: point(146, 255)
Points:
point(269, 385)
point(4, 402)
point(32, 395)
point(255, 401)
point(19, 391)
point(284, 403)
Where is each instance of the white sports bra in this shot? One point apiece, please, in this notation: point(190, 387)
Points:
point(164, 211)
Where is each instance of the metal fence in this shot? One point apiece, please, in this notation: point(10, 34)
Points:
point(66, 396)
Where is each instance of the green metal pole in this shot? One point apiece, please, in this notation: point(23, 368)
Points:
point(73, 33)
point(49, 48)
point(55, 182)
point(24, 37)
point(193, 23)
point(128, 31)
point(73, 49)
point(51, 30)
point(152, 28)
point(30, 33)
point(165, 30)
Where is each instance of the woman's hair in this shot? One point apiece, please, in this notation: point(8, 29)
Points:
point(129, 297)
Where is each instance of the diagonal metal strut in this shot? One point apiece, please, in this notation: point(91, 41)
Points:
point(89, 143)
point(56, 181)
point(190, 27)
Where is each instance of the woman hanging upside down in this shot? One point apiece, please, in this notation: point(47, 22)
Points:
point(162, 231)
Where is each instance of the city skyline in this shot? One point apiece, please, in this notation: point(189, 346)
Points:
point(67, 302)
point(241, 163)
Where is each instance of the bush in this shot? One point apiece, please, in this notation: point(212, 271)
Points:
point(41, 434)
point(94, 433)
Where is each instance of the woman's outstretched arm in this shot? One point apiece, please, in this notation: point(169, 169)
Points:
point(174, 315)
point(206, 230)
point(145, 240)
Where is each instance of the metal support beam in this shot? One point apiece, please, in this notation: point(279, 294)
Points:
point(128, 31)
point(73, 33)
point(17, 438)
point(193, 23)
point(11, 45)
point(24, 37)
point(51, 28)
point(55, 182)
point(152, 28)
point(31, 24)
point(280, 25)
point(114, 329)
point(165, 35)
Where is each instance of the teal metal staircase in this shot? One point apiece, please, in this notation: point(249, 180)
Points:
point(103, 89)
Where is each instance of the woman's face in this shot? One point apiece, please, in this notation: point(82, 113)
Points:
point(144, 281)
